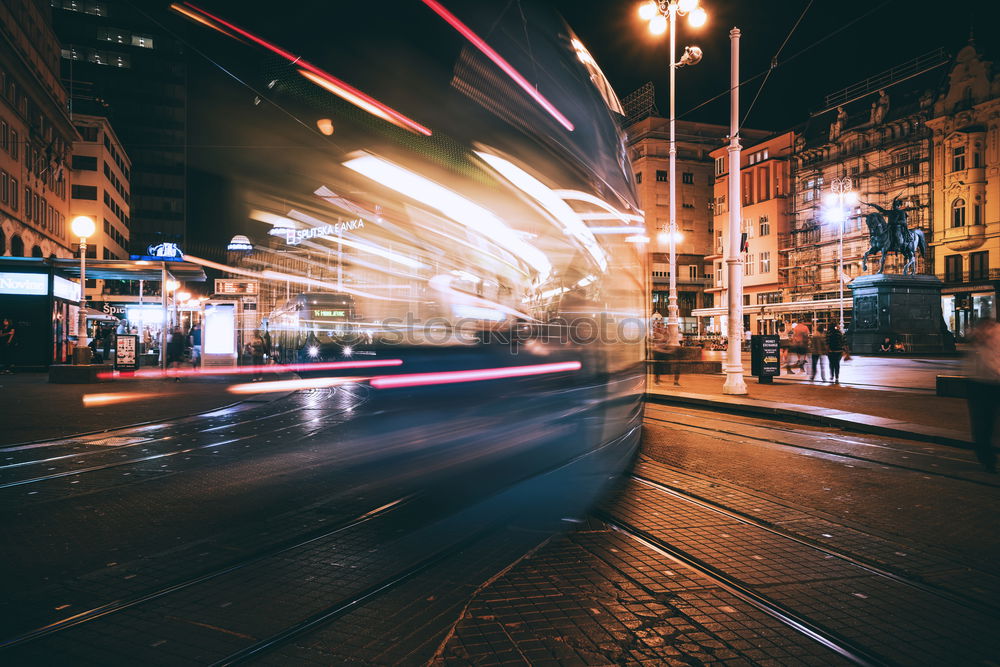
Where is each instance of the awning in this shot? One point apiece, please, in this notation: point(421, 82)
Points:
point(93, 314)
point(125, 269)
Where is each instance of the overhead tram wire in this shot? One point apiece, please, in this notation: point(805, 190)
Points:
point(227, 72)
point(775, 66)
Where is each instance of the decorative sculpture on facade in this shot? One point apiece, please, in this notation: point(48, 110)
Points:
point(889, 232)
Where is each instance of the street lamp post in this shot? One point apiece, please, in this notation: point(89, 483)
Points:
point(662, 16)
point(734, 383)
point(83, 227)
point(842, 192)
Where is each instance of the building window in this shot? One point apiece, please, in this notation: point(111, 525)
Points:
point(693, 271)
point(765, 262)
point(15, 147)
point(977, 214)
point(687, 178)
point(748, 266)
point(16, 246)
point(958, 213)
point(638, 177)
point(746, 299)
point(720, 166)
point(661, 176)
point(763, 183)
point(85, 162)
point(953, 268)
point(958, 159)
point(144, 41)
point(977, 159)
point(979, 265)
point(765, 226)
point(84, 192)
point(116, 35)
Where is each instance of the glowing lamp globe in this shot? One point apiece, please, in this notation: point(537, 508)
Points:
point(83, 226)
point(325, 126)
point(851, 198)
point(647, 10)
point(698, 17)
point(687, 5)
point(658, 24)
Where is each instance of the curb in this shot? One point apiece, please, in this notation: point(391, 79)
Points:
point(849, 421)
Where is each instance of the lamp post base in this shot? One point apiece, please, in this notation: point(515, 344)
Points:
point(734, 385)
point(82, 355)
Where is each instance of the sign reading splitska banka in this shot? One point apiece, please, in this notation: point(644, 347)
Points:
point(297, 236)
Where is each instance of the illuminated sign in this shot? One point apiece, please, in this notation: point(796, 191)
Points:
point(223, 286)
point(219, 331)
point(161, 252)
point(24, 284)
point(239, 243)
point(297, 236)
point(66, 289)
point(330, 313)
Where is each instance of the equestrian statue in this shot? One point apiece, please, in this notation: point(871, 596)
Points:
point(889, 232)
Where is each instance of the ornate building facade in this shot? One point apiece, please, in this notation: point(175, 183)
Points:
point(966, 185)
point(35, 135)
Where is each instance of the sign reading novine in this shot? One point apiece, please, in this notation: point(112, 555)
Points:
point(297, 236)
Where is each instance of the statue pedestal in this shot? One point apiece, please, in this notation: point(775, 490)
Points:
point(901, 308)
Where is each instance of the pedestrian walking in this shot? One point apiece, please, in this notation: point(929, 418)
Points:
point(837, 350)
point(196, 345)
point(175, 350)
point(983, 391)
point(798, 348)
point(256, 348)
point(818, 350)
point(664, 355)
point(8, 339)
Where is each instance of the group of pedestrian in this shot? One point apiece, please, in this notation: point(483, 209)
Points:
point(183, 348)
point(804, 347)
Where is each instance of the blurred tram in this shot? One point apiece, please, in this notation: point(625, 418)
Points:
point(315, 326)
point(479, 210)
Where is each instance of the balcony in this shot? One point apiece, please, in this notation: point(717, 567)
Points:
point(964, 238)
point(971, 277)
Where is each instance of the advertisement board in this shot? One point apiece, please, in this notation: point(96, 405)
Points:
point(126, 352)
point(765, 357)
point(233, 287)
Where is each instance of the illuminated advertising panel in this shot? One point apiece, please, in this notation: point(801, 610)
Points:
point(24, 284)
point(220, 329)
point(66, 289)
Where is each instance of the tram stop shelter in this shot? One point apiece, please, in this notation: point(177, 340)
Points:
point(41, 296)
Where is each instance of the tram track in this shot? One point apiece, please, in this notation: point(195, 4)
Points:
point(281, 549)
point(110, 451)
point(787, 617)
point(818, 591)
point(813, 544)
point(655, 415)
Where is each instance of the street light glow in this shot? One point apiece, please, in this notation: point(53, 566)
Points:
point(686, 6)
point(83, 226)
point(698, 17)
point(658, 24)
point(647, 10)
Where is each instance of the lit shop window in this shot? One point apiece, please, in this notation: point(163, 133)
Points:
point(113, 35)
point(145, 41)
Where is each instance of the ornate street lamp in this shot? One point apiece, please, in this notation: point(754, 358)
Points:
point(662, 16)
point(82, 227)
point(841, 192)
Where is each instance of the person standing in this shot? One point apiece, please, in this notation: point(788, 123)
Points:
point(8, 336)
point(983, 391)
point(196, 345)
point(256, 346)
point(835, 344)
point(818, 349)
point(175, 350)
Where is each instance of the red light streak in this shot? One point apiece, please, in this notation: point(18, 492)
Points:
point(478, 375)
point(244, 370)
point(498, 60)
point(400, 119)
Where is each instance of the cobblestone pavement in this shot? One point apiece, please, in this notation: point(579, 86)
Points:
point(833, 528)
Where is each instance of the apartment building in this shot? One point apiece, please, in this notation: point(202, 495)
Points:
point(764, 183)
point(966, 189)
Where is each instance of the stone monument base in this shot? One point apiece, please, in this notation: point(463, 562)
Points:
point(904, 309)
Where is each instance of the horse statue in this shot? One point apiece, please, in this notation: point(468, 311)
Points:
point(893, 236)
